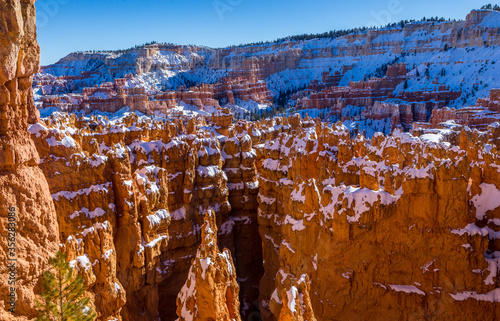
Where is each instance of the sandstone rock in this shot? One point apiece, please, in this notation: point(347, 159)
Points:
point(23, 187)
point(297, 302)
point(211, 290)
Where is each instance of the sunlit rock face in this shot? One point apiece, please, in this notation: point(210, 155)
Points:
point(130, 194)
point(23, 188)
point(211, 289)
point(310, 215)
point(354, 215)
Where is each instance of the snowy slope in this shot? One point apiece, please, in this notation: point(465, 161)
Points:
point(461, 54)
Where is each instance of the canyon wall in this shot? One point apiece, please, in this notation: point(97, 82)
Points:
point(309, 215)
point(28, 220)
point(463, 49)
point(355, 217)
point(110, 97)
point(131, 196)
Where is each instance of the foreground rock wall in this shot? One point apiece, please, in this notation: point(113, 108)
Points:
point(211, 290)
point(23, 187)
point(335, 228)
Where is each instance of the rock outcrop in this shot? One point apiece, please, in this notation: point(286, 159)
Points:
point(211, 291)
point(110, 97)
point(297, 302)
point(28, 221)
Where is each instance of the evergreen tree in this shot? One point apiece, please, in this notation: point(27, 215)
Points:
point(62, 294)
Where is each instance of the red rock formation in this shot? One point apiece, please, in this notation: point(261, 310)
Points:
point(439, 97)
point(211, 290)
point(363, 93)
point(291, 197)
point(297, 301)
point(485, 112)
point(492, 102)
point(361, 203)
point(222, 120)
point(136, 186)
point(24, 194)
point(111, 97)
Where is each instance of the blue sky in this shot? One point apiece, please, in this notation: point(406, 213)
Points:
point(65, 26)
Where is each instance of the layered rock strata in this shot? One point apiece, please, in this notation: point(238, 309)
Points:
point(28, 220)
point(359, 213)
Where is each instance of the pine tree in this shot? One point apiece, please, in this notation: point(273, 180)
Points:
point(62, 294)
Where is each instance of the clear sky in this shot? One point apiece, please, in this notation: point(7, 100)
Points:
point(65, 26)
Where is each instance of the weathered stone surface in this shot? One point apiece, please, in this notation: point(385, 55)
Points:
point(23, 187)
point(211, 291)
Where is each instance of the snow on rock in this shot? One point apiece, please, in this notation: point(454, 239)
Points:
point(492, 20)
point(297, 194)
point(359, 200)
point(488, 200)
point(97, 212)
point(211, 289)
point(407, 289)
point(492, 296)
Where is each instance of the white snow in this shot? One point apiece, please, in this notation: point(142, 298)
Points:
point(363, 198)
point(297, 194)
point(36, 129)
point(406, 289)
point(92, 189)
point(97, 212)
point(81, 262)
point(275, 296)
point(297, 225)
point(205, 263)
point(158, 217)
point(492, 20)
point(66, 142)
point(288, 246)
point(492, 296)
point(107, 255)
point(179, 214)
point(488, 200)
point(291, 296)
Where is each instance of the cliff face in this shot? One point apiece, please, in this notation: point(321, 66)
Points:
point(459, 54)
point(23, 187)
point(359, 214)
point(130, 195)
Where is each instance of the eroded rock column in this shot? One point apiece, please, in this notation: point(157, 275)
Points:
point(22, 183)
